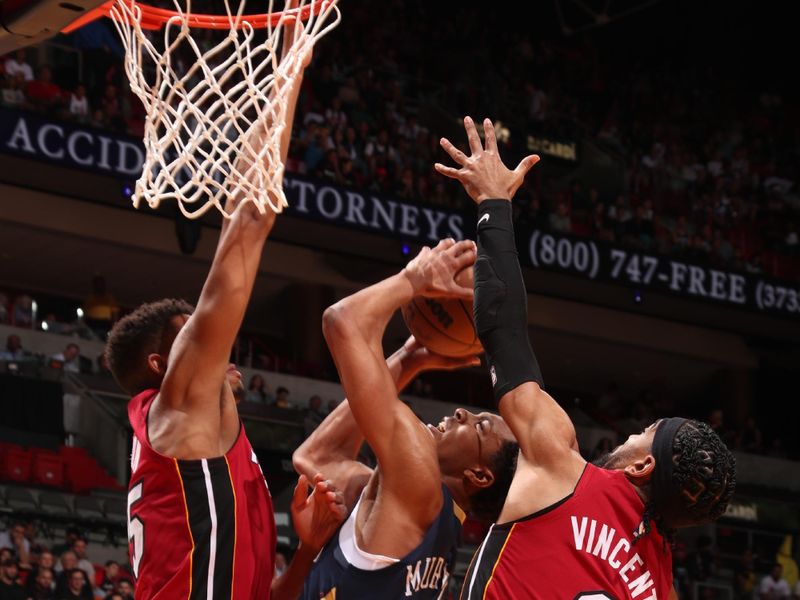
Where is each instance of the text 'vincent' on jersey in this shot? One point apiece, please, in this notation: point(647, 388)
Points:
point(580, 547)
point(343, 570)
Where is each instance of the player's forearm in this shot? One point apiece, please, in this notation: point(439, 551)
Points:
point(500, 309)
point(289, 585)
point(338, 438)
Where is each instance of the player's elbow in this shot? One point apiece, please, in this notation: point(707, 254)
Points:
point(303, 462)
point(337, 322)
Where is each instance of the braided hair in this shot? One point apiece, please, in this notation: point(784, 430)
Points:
point(703, 480)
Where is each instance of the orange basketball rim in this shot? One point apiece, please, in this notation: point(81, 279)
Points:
point(154, 18)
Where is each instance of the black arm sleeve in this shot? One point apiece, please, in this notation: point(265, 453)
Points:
point(501, 303)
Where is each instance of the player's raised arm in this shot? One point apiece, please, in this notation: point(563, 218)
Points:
point(542, 428)
point(199, 356)
point(333, 447)
point(354, 329)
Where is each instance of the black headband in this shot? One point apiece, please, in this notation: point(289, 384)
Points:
point(665, 495)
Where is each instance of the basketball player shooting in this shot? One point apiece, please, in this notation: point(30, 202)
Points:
point(400, 537)
point(569, 529)
point(200, 517)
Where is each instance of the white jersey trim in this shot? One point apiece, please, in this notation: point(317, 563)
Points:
point(355, 555)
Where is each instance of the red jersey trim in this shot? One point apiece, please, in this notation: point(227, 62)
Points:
point(188, 526)
point(235, 522)
point(497, 562)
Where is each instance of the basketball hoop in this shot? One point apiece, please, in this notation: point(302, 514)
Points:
point(214, 122)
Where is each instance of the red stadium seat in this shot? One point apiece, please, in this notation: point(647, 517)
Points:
point(16, 464)
point(47, 468)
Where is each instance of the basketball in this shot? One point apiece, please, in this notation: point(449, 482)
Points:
point(444, 325)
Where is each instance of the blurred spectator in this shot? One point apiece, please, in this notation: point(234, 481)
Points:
point(46, 561)
point(257, 391)
point(80, 548)
point(774, 586)
point(22, 311)
point(108, 579)
point(15, 539)
point(5, 554)
point(70, 535)
point(41, 586)
point(10, 589)
point(18, 65)
point(701, 561)
point(100, 307)
point(42, 92)
point(13, 349)
point(76, 588)
point(79, 103)
point(560, 220)
point(51, 324)
point(125, 589)
point(744, 584)
point(67, 580)
point(314, 416)
point(69, 358)
point(13, 94)
point(282, 398)
point(332, 404)
point(114, 596)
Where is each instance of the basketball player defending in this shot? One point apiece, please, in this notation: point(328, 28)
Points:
point(399, 540)
point(200, 520)
point(568, 529)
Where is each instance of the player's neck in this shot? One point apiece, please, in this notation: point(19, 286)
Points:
point(457, 491)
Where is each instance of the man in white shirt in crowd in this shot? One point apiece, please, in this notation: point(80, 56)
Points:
point(70, 358)
point(774, 586)
point(17, 64)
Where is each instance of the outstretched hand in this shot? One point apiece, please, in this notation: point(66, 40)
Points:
point(483, 174)
point(432, 272)
point(317, 516)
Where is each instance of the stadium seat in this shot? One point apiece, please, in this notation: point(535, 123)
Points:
point(54, 504)
point(21, 499)
point(47, 469)
point(88, 507)
point(16, 464)
point(116, 509)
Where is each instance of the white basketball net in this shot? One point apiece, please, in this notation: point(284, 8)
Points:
point(213, 127)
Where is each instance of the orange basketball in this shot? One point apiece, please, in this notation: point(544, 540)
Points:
point(444, 325)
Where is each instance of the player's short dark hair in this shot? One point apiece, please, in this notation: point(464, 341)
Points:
point(488, 502)
point(704, 475)
point(138, 335)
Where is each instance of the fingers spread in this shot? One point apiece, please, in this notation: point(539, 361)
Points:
point(446, 171)
point(526, 164)
point(489, 135)
point(456, 154)
point(472, 135)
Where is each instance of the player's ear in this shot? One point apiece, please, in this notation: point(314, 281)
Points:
point(640, 471)
point(478, 477)
point(157, 364)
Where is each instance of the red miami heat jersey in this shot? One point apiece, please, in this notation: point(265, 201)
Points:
point(578, 548)
point(198, 528)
